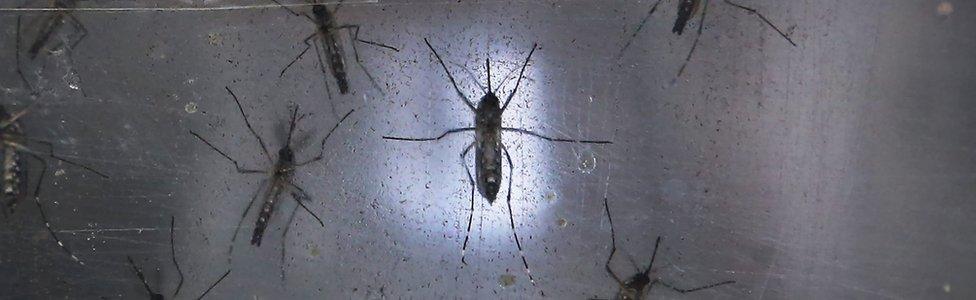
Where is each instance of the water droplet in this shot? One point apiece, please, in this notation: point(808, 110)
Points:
point(506, 280)
point(190, 107)
point(587, 161)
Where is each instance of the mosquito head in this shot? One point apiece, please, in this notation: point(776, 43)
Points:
point(489, 100)
point(320, 11)
point(634, 287)
point(286, 155)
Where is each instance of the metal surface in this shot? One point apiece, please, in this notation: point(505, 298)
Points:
point(842, 168)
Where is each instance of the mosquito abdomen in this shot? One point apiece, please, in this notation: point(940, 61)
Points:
point(686, 9)
point(337, 64)
point(262, 223)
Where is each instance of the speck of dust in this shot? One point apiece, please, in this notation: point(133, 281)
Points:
point(944, 8)
point(191, 107)
point(59, 172)
point(562, 223)
point(214, 39)
point(315, 251)
point(587, 161)
point(947, 288)
point(506, 280)
point(550, 196)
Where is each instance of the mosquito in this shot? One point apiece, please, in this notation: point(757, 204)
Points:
point(687, 10)
point(172, 246)
point(281, 175)
point(641, 283)
point(489, 147)
point(50, 24)
point(13, 143)
point(327, 30)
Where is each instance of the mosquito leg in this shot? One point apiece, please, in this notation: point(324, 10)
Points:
point(684, 291)
point(20, 70)
point(249, 127)
point(552, 139)
point(326, 138)
point(519, 80)
point(613, 244)
point(755, 12)
point(653, 256)
point(237, 229)
point(172, 248)
point(505, 80)
point(50, 153)
point(142, 277)
point(353, 31)
point(446, 133)
point(511, 215)
point(694, 45)
point(301, 196)
point(338, 6)
point(355, 37)
point(307, 46)
point(40, 208)
point(16, 116)
point(467, 233)
point(284, 240)
point(471, 76)
point(212, 286)
point(80, 27)
point(293, 12)
point(51, 24)
point(638, 30)
point(451, 77)
point(236, 165)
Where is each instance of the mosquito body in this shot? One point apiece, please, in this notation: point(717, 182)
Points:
point(687, 9)
point(48, 26)
point(13, 143)
point(281, 174)
point(639, 284)
point(327, 31)
point(153, 295)
point(489, 148)
point(281, 177)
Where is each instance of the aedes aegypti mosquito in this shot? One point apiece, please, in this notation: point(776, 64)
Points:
point(489, 147)
point(281, 174)
point(687, 10)
point(635, 287)
point(153, 295)
point(49, 25)
point(327, 31)
point(15, 183)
